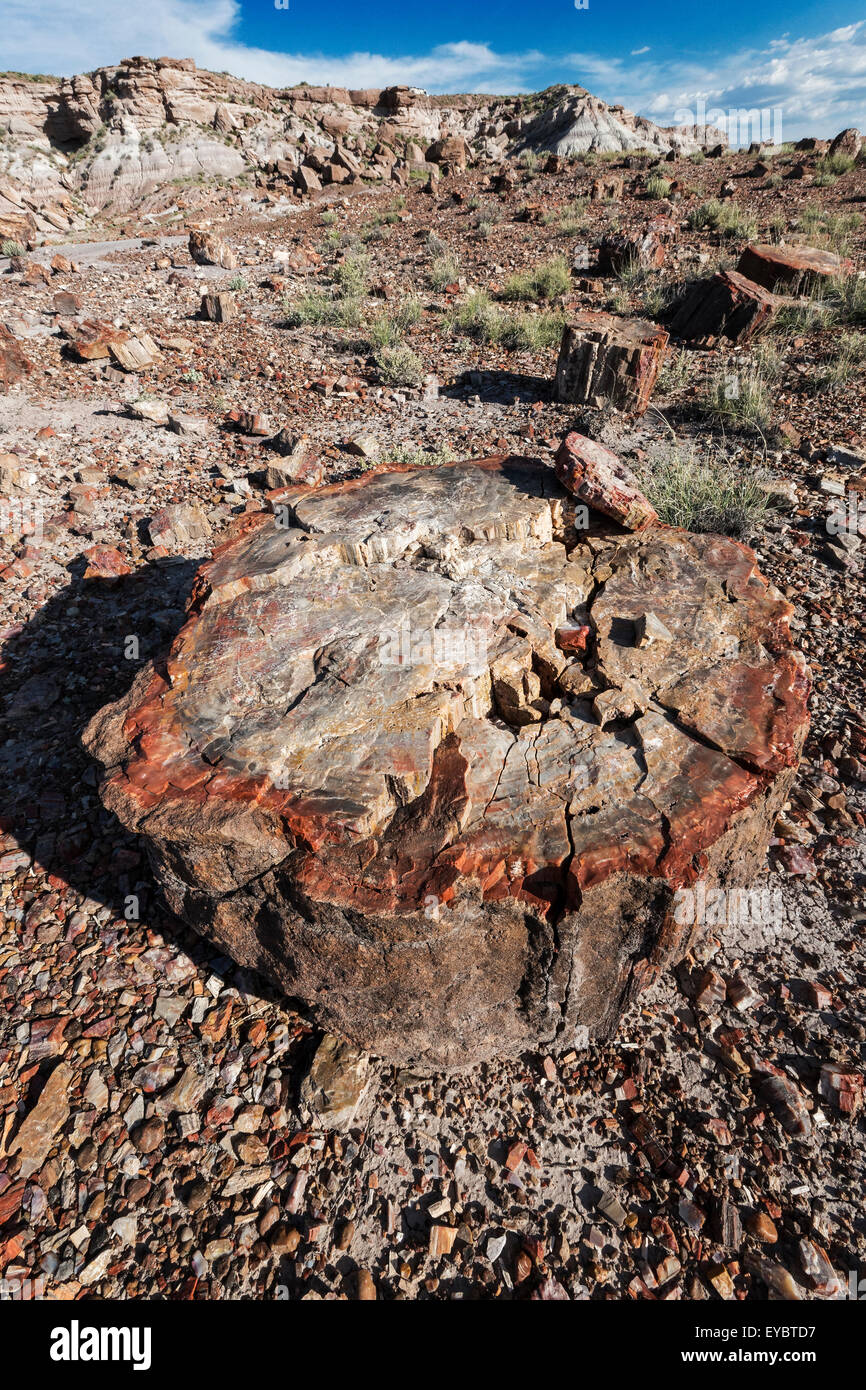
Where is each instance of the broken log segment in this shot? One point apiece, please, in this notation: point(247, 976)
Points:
point(795, 268)
point(360, 772)
point(607, 359)
point(639, 249)
point(602, 481)
point(728, 305)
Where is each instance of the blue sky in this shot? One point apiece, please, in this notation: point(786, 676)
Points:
point(659, 59)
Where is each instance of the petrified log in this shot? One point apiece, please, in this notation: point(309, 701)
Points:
point(797, 268)
point(206, 248)
point(642, 250)
point(604, 358)
point(356, 770)
point(728, 305)
point(602, 481)
point(14, 366)
point(607, 189)
point(219, 308)
point(94, 339)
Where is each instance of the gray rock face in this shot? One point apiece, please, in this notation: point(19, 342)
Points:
point(377, 766)
point(582, 123)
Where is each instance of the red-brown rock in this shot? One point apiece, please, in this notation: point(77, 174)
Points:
point(597, 477)
point(104, 562)
point(795, 268)
point(14, 366)
point(728, 305)
point(607, 359)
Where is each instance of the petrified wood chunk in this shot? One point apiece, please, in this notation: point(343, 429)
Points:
point(360, 772)
point(206, 248)
point(14, 366)
point(727, 305)
point(597, 477)
point(796, 268)
point(642, 249)
point(219, 307)
point(605, 358)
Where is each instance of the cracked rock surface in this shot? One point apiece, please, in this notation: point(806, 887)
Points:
point(376, 766)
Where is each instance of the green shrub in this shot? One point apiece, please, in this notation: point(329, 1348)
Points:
point(352, 275)
point(657, 186)
point(443, 271)
point(703, 494)
point(675, 371)
point(388, 327)
point(837, 163)
point(399, 365)
point(323, 310)
point(738, 398)
point(547, 281)
point(726, 218)
point(478, 317)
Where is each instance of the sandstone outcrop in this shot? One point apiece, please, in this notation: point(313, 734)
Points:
point(114, 134)
point(376, 767)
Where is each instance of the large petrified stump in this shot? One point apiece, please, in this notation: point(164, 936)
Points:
point(436, 762)
point(607, 359)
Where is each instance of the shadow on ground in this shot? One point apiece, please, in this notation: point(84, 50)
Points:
point(57, 670)
point(506, 387)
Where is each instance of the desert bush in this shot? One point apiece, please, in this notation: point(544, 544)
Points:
point(738, 398)
point(837, 163)
point(657, 186)
point(546, 281)
point(443, 271)
point(846, 356)
point(726, 218)
point(478, 317)
point(703, 494)
point(398, 365)
point(352, 275)
point(322, 310)
point(675, 371)
point(388, 327)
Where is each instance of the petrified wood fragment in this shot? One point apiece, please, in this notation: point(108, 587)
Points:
point(795, 268)
point(607, 359)
point(14, 366)
point(641, 249)
point(359, 769)
point(601, 480)
point(728, 305)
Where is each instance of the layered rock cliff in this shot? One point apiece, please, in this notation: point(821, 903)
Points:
point(108, 137)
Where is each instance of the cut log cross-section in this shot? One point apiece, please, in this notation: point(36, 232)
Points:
point(436, 762)
point(606, 359)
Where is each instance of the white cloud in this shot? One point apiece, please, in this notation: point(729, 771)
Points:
point(78, 35)
point(819, 83)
